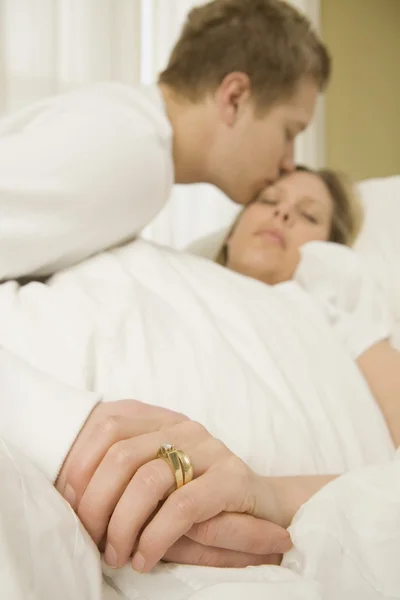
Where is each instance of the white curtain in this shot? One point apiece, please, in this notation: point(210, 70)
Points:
point(48, 46)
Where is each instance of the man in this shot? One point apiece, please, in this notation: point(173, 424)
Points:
point(85, 171)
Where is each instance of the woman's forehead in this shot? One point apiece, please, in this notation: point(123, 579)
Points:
point(305, 185)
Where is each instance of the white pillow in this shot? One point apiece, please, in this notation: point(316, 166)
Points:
point(379, 241)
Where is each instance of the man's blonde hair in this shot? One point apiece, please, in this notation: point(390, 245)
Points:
point(269, 40)
point(347, 216)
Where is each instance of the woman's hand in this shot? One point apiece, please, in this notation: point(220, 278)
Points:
point(118, 486)
point(231, 540)
point(288, 495)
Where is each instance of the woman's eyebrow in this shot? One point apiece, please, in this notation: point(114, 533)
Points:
point(316, 203)
point(309, 199)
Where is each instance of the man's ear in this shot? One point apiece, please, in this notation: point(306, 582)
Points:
point(232, 94)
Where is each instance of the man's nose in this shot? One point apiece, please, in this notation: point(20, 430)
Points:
point(288, 164)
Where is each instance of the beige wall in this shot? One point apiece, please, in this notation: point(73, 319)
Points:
point(363, 103)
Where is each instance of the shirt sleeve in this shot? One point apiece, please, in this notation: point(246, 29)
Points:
point(341, 284)
point(45, 369)
point(38, 414)
point(74, 185)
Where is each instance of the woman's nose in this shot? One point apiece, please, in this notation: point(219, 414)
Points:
point(284, 213)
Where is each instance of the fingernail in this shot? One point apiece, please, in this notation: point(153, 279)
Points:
point(70, 495)
point(138, 562)
point(110, 556)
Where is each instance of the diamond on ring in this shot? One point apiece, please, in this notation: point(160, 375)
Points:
point(166, 447)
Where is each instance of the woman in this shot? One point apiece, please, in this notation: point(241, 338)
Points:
point(303, 206)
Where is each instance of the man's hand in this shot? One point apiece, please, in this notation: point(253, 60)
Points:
point(108, 424)
point(98, 472)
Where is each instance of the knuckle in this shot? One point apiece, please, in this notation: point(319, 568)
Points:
point(77, 476)
point(237, 467)
point(184, 504)
point(242, 469)
point(116, 534)
point(220, 449)
point(179, 418)
point(120, 454)
point(103, 433)
point(208, 557)
point(195, 430)
point(149, 541)
point(205, 533)
point(150, 477)
point(151, 546)
point(109, 426)
point(164, 417)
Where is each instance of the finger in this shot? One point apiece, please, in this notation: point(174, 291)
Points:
point(92, 448)
point(190, 504)
point(188, 552)
point(152, 483)
point(110, 481)
point(241, 533)
point(108, 424)
point(119, 466)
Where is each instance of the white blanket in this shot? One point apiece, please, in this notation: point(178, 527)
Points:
point(261, 369)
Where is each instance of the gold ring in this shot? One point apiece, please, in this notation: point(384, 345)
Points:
point(170, 455)
point(187, 466)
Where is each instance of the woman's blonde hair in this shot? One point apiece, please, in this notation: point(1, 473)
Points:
point(347, 217)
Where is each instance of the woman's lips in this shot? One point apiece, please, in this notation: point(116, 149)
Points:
point(272, 235)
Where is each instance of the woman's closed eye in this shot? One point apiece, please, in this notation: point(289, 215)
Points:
point(309, 217)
